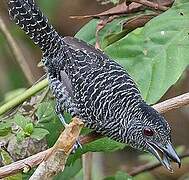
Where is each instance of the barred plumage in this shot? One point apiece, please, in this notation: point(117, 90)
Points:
point(88, 84)
point(28, 16)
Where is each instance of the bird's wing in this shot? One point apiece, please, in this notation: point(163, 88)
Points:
point(79, 44)
point(64, 78)
point(76, 44)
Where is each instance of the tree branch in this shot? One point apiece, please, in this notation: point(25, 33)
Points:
point(36, 159)
point(87, 163)
point(120, 9)
point(56, 160)
point(173, 103)
point(150, 167)
point(123, 8)
point(16, 52)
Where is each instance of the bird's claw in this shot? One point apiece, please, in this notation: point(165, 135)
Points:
point(76, 146)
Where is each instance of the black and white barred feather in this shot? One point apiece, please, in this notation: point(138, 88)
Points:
point(87, 83)
point(28, 16)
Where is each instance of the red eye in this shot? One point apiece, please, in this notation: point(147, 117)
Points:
point(148, 132)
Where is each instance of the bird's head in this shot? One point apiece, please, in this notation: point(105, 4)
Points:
point(149, 131)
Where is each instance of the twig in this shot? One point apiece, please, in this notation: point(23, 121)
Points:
point(152, 5)
point(100, 25)
point(56, 160)
point(138, 21)
point(34, 160)
point(120, 9)
point(17, 52)
point(127, 27)
point(124, 9)
point(21, 165)
point(150, 167)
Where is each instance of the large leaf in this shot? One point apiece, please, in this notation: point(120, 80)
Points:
point(5, 128)
point(39, 133)
point(109, 34)
point(70, 171)
point(157, 54)
point(100, 145)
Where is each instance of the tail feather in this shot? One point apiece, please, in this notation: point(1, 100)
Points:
point(28, 16)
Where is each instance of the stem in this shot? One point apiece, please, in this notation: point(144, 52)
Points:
point(87, 166)
point(21, 60)
point(21, 98)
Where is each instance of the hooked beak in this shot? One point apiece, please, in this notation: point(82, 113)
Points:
point(164, 154)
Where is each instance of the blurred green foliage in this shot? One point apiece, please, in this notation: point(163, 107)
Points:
point(6, 159)
point(155, 56)
point(119, 176)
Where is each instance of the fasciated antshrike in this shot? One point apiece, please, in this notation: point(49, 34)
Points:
point(88, 84)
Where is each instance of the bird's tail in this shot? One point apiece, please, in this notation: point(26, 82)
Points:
point(28, 16)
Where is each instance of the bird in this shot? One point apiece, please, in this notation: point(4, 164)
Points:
point(90, 85)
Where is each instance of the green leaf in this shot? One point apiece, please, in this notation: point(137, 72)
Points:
point(14, 177)
point(46, 112)
point(70, 171)
point(178, 2)
point(28, 129)
point(119, 176)
point(6, 159)
point(122, 176)
point(115, 1)
point(106, 36)
point(156, 55)
point(145, 175)
point(158, 50)
point(100, 145)
point(21, 120)
point(39, 133)
point(20, 136)
point(5, 128)
point(48, 119)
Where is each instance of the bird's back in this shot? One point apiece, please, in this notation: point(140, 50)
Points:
point(104, 93)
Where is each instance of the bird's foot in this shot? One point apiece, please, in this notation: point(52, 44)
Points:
point(61, 117)
point(76, 146)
